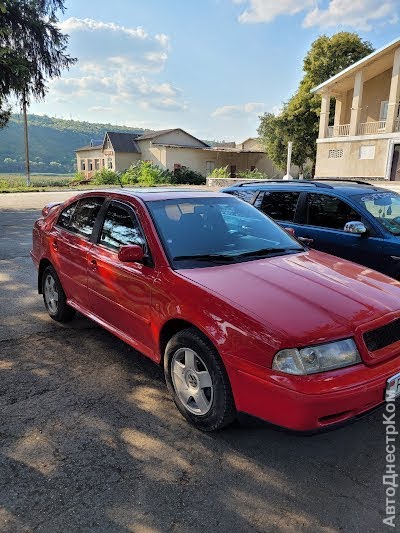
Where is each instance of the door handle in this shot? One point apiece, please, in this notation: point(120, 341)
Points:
point(306, 240)
point(93, 265)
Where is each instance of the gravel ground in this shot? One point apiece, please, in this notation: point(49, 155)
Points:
point(90, 440)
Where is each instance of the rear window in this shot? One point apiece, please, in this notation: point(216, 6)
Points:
point(244, 194)
point(279, 205)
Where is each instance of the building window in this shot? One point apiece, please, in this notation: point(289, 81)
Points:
point(83, 164)
point(97, 164)
point(109, 162)
point(233, 171)
point(384, 110)
point(367, 151)
point(335, 154)
point(103, 163)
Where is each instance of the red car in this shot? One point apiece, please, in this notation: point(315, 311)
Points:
point(241, 315)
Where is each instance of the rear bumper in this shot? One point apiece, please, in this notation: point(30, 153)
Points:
point(300, 410)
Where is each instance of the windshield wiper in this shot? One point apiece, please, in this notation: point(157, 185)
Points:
point(205, 257)
point(268, 251)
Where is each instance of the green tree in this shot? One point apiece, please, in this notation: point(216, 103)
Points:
point(299, 118)
point(32, 49)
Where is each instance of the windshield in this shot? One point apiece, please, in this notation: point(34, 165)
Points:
point(211, 231)
point(385, 207)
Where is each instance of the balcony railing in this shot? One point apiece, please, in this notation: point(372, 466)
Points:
point(342, 130)
point(369, 128)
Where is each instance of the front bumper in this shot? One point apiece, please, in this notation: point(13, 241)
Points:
point(310, 403)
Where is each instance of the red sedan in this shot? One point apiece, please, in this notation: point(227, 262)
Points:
point(242, 317)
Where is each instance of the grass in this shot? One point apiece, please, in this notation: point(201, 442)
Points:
point(55, 182)
point(39, 182)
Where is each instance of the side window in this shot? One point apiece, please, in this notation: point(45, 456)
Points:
point(85, 215)
point(120, 228)
point(65, 216)
point(280, 205)
point(329, 212)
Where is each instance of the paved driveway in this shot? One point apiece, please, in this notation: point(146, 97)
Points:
point(90, 441)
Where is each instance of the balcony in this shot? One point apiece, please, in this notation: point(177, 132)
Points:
point(372, 128)
point(342, 130)
point(365, 128)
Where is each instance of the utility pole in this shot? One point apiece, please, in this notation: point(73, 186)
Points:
point(27, 164)
point(287, 176)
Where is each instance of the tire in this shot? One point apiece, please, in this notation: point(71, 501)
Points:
point(54, 297)
point(197, 381)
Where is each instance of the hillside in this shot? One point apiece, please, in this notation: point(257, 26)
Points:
point(52, 142)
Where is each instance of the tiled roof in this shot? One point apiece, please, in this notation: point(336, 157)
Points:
point(124, 142)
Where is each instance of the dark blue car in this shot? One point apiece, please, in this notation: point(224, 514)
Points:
point(351, 219)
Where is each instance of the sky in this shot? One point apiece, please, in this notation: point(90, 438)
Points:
point(211, 67)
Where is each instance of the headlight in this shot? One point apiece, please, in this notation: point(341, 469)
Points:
point(317, 358)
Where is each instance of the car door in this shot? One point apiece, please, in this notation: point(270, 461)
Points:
point(323, 220)
point(120, 293)
point(279, 205)
point(70, 242)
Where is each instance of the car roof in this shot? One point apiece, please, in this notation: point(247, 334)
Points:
point(157, 193)
point(348, 187)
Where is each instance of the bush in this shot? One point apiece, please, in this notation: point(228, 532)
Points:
point(105, 176)
point(186, 176)
point(145, 173)
point(252, 175)
point(220, 173)
point(78, 176)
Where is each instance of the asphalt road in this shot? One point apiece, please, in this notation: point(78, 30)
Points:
point(90, 440)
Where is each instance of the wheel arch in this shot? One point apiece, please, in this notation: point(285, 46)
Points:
point(173, 326)
point(44, 263)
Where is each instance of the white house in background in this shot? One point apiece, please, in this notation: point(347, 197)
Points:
point(363, 139)
point(171, 149)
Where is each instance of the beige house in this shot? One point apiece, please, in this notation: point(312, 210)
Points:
point(362, 139)
point(170, 150)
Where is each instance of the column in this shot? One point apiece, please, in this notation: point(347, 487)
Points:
point(394, 94)
point(356, 106)
point(324, 116)
point(338, 115)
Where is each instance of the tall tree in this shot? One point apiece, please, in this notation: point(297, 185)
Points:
point(32, 49)
point(299, 118)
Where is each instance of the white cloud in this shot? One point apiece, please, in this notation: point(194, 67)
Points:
point(92, 40)
point(238, 111)
point(116, 65)
point(358, 14)
point(164, 104)
point(99, 109)
point(267, 10)
point(74, 24)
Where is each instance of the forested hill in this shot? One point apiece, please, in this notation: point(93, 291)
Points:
point(53, 142)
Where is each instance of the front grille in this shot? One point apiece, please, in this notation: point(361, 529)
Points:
point(383, 336)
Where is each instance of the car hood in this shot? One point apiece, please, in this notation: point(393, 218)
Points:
point(311, 296)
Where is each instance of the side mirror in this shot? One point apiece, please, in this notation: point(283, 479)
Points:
point(355, 227)
point(132, 253)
